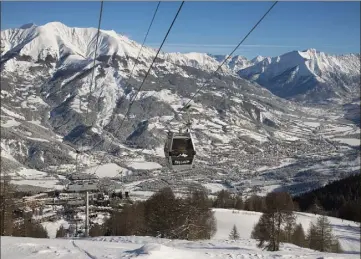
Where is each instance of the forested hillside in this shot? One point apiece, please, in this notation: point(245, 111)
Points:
point(340, 198)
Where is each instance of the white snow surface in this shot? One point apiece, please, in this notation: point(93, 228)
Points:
point(107, 170)
point(46, 183)
point(142, 165)
point(126, 247)
point(52, 227)
point(10, 123)
point(31, 173)
point(347, 232)
point(349, 141)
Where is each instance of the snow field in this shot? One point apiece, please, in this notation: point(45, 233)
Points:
point(157, 248)
point(347, 232)
point(349, 141)
point(144, 165)
point(108, 170)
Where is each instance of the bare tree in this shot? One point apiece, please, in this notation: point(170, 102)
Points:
point(197, 219)
point(278, 214)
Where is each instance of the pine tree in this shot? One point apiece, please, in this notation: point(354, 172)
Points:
point(61, 232)
point(160, 212)
point(166, 216)
point(6, 207)
point(96, 230)
point(30, 229)
point(224, 200)
point(311, 236)
point(234, 235)
point(336, 246)
point(320, 236)
point(298, 236)
point(255, 203)
point(316, 207)
point(238, 203)
point(290, 222)
point(262, 231)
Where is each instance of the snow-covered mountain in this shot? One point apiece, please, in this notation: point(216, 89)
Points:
point(242, 131)
point(237, 62)
point(309, 76)
point(65, 46)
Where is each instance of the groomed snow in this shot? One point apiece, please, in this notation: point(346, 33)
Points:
point(108, 170)
point(144, 165)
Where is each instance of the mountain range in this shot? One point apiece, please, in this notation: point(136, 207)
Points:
point(288, 122)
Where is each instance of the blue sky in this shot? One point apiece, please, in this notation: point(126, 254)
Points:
point(212, 27)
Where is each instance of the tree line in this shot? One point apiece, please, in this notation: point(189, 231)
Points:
point(227, 200)
point(191, 217)
point(278, 225)
point(341, 198)
point(9, 225)
point(163, 215)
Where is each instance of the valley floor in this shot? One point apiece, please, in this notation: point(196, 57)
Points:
point(219, 246)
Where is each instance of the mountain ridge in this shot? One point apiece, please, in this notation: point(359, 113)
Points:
point(244, 134)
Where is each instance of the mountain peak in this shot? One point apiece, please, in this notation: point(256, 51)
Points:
point(257, 59)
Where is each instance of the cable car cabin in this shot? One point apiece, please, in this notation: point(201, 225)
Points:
point(179, 151)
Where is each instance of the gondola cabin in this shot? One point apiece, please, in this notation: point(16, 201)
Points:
point(179, 151)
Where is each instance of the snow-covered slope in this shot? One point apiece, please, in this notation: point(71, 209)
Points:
point(158, 248)
point(308, 75)
point(347, 232)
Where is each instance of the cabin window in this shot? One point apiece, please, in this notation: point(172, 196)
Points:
point(182, 145)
